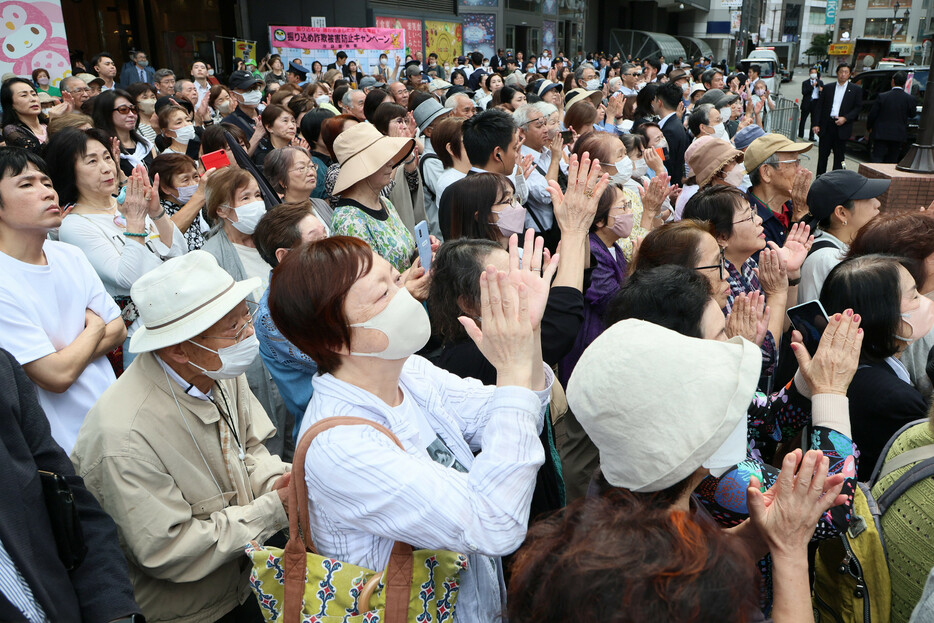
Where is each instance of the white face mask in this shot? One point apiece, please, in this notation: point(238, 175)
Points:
point(624, 169)
point(593, 85)
point(224, 107)
point(639, 168)
point(185, 193)
point(322, 99)
point(813, 76)
point(184, 134)
point(252, 98)
point(234, 359)
point(719, 131)
point(921, 320)
point(405, 324)
point(725, 113)
point(735, 176)
point(210, 72)
point(383, 62)
point(248, 216)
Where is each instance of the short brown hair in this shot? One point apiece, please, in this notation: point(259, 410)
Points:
point(273, 112)
point(308, 289)
point(672, 243)
point(221, 188)
point(167, 111)
point(448, 131)
point(168, 165)
point(581, 116)
point(904, 233)
point(69, 120)
point(331, 129)
point(278, 229)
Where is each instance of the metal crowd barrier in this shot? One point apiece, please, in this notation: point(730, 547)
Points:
point(784, 119)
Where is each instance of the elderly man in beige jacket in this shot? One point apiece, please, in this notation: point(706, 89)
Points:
point(174, 452)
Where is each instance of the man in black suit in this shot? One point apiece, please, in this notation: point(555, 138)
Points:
point(99, 588)
point(498, 60)
point(340, 61)
point(810, 94)
point(888, 120)
point(667, 105)
point(837, 108)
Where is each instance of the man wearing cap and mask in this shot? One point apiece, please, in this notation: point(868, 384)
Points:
point(174, 449)
point(774, 165)
point(839, 203)
point(427, 114)
point(247, 90)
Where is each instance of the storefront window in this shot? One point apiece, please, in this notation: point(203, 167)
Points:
point(846, 30)
point(524, 5)
point(847, 4)
point(884, 28)
point(887, 4)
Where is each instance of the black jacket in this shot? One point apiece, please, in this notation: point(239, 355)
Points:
point(807, 89)
point(850, 107)
point(678, 142)
point(888, 118)
point(99, 589)
point(880, 404)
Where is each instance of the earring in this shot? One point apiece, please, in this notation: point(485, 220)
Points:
point(845, 222)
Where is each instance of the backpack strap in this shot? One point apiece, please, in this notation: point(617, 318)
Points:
point(821, 244)
point(423, 159)
point(907, 458)
point(398, 574)
point(924, 469)
point(876, 476)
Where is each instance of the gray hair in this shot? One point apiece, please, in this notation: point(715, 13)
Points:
point(277, 164)
point(451, 101)
point(543, 107)
point(755, 176)
point(700, 116)
point(180, 85)
point(579, 72)
point(71, 82)
point(163, 73)
point(614, 83)
point(347, 100)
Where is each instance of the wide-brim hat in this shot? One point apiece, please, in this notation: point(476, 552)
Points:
point(764, 146)
point(183, 297)
point(579, 95)
point(437, 84)
point(543, 86)
point(708, 155)
point(695, 88)
point(634, 392)
point(362, 151)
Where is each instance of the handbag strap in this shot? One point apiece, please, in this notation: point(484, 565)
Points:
point(398, 574)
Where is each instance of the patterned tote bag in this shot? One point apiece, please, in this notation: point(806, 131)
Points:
point(296, 585)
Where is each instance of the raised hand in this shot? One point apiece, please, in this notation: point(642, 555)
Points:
point(536, 272)
point(749, 318)
point(654, 192)
point(416, 280)
point(796, 247)
point(772, 272)
point(506, 339)
point(527, 165)
point(799, 193)
point(837, 357)
point(136, 203)
point(575, 210)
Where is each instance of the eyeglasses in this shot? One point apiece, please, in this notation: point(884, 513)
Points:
point(751, 216)
point(79, 90)
point(251, 309)
point(303, 169)
point(125, 109)
point(796, 161)
point(720, 267)
point(536, 123)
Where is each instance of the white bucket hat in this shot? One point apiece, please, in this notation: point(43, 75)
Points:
point(182, 298)
point(658, 404)
point(362, 151)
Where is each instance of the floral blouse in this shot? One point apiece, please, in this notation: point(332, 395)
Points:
point(194, 236)
point(744, 280)
point(384, 232)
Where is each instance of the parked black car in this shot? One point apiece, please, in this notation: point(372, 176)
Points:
point(876, 81)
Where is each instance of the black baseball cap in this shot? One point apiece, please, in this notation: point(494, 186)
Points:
point(837, 187)
point(243, 80)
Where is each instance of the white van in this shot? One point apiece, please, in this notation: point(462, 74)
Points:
point(768, 68)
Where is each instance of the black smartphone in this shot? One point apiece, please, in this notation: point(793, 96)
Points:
point(567, 136)
point(810, 320)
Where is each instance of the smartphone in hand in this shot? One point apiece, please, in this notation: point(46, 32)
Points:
point(423, 243)
point(215, 160)
point(809, 319)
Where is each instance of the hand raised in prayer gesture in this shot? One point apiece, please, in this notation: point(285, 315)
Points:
point(772, 272)
point(795, 250)
point(749, 318)
point(575, 209)
point(505, 335)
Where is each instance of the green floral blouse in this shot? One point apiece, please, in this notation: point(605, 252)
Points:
point(389, 236)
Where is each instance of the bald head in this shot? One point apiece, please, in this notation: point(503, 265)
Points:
point(399, 93)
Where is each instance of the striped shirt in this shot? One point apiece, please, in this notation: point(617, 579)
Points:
point(365, 493)
point(13, 586)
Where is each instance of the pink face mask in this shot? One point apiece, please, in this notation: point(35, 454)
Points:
point(622, 225)
point(511, 220)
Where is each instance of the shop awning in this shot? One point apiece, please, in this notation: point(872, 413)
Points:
point(695, 47)
point(642, 44)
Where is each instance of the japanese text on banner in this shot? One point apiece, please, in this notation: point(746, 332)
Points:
point(336, 38)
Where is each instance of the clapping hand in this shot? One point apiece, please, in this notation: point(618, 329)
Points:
point(536, 272)
point(749, 318)
point(574, 211)
point(831, 369)
point(796, 247)
point(140, 201)
point(527, 165)
point(772, 273)
point(799, 193)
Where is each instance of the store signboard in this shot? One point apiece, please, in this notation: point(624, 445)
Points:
point(831, 12)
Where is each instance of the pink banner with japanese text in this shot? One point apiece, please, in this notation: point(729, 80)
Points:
point(412, 28)
point(309, 38)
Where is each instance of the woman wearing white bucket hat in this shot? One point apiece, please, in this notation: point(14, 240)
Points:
point(367, 159)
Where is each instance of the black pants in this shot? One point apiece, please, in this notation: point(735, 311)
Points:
point(247, 612)
point(886, 151)
point(807, 111)
point(830, 141)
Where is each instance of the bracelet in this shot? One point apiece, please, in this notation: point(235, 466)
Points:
point(134, 235)
point(160, 215)
point(410, 160)
point(794, 282)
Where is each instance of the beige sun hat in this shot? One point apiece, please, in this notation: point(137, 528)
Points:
point(362, 151)
point(183, 297)
point(708, 155)
point(579, 95)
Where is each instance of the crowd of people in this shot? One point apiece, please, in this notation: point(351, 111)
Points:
point(558, 288)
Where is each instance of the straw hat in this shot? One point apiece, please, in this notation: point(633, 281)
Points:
point(182, 297)
point(362, 151)
point(579, 95)
point(708, 155)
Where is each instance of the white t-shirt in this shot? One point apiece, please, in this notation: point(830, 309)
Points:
point(42, 312)
point(254, 266)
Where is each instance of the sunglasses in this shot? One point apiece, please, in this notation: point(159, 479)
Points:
point(125, 109)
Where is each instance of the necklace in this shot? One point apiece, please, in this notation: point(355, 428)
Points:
point(109, 210)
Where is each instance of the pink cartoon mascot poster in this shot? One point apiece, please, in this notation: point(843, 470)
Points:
point(32, 35)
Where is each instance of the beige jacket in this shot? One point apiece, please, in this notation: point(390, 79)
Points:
point(182, 536)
